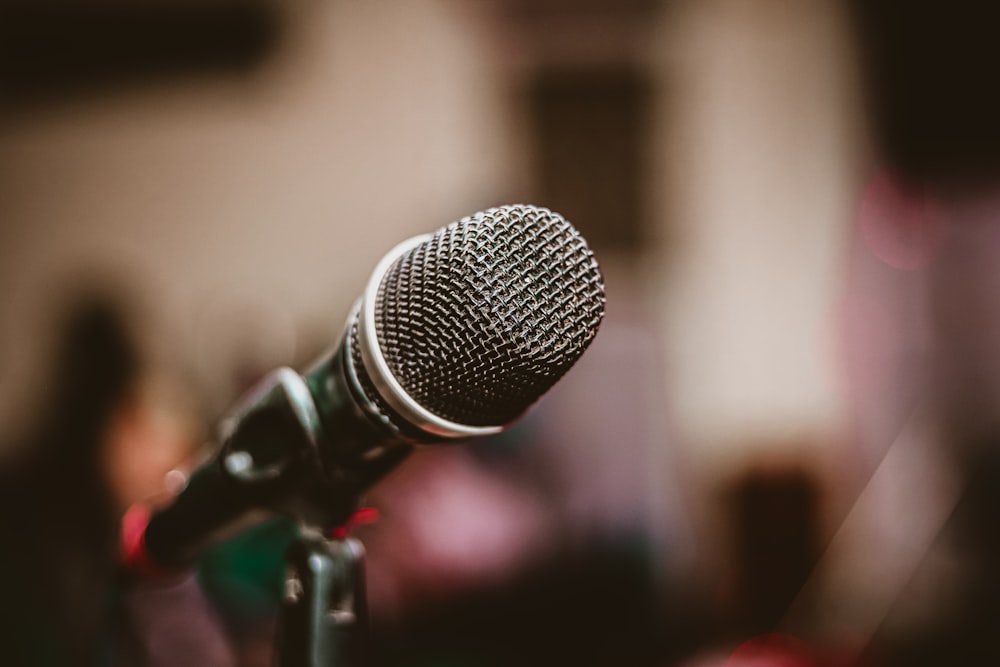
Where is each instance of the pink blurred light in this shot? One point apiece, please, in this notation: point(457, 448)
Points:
point(449, 525)
point(869, 353)
point(773, 650)
point(902, 227)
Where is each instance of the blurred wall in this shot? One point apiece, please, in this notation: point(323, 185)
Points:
point(247, 210)
point(758, 156)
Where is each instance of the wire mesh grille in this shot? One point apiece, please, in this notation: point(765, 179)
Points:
point(480, 320)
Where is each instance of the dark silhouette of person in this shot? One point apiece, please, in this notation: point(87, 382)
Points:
point(64, 597)
point(58, 526)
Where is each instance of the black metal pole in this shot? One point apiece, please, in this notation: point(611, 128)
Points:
point(324, 616)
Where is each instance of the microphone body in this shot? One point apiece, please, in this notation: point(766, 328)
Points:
point(457, 334)
point(280, 453)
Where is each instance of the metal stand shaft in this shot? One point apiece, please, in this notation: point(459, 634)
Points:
point(324, 618)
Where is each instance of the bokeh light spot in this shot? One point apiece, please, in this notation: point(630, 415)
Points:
point(900, 226)
point(772, 650)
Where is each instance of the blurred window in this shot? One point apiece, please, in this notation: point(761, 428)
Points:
point(589, 129)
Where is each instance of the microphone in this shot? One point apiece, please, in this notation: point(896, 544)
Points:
point(457, 334)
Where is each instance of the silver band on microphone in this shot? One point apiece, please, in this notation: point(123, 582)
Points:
point(378, 369)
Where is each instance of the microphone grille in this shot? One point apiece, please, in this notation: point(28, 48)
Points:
point(483, 317)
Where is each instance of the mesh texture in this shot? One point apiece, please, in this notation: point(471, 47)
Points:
point(481, 319)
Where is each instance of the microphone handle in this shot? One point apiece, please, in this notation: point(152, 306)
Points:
point(211, 507)
point(300, 446)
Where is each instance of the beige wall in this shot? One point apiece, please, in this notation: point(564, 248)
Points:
point(759, 154)
point(250, 211)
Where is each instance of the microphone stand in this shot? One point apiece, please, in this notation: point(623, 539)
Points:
point(323, 621)
point(307, 448)
point(324, 617)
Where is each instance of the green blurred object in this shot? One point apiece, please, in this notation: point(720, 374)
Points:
point(244, 576)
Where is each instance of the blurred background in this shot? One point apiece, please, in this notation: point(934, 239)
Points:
point(781, 447)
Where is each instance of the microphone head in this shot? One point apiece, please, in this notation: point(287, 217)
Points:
point(476, 321)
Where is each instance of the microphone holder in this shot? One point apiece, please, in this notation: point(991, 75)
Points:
point(278, 455)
